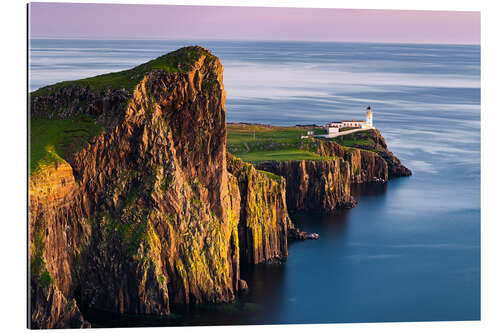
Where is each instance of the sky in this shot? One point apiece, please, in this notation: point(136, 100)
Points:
point(116, 21)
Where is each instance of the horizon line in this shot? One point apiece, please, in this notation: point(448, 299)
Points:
point(253, 40)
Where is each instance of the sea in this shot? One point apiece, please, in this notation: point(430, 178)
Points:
point(410, 249)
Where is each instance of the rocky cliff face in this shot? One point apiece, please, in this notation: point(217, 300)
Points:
point(51, 309)
point(264, 221)
point(160, 196)
point(372, 142)
point(145, 216)
point(325, 185)
point(152, 213)
point(55, 239)
point(314, 185)
point(365, 166)
point(395, 167)
point(107, 105)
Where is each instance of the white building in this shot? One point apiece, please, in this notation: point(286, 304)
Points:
point(335, 126)
point(353, 123)
point(310, 134)
point(369, 118)
point(332, 130)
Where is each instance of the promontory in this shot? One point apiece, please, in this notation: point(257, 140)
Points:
point(138, 202)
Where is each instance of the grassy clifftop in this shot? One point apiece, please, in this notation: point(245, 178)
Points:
point(253, 143)
point(180, 60)
point(367, 140)
point(52, 139)
point(365, 149)
point(256, 143)
point(62, 120)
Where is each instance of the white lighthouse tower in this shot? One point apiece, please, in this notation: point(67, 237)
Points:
point(369, 117)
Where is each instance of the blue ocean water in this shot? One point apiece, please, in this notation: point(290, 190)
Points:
point(410, 250)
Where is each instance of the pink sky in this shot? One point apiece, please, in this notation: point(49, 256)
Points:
point(111, 21)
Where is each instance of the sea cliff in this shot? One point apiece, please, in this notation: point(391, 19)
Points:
point(264, 221)
point(325, 184)
point(135, 206)
point(145, 215)
point(314, 185)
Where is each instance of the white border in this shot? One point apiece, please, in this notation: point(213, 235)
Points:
point(13, 172)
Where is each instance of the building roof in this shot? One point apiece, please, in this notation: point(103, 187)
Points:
point(353, 121)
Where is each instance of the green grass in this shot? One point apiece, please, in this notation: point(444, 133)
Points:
point(248, 138)
point(361, 139)
point(270, 175)
point(254, 143)
point(51, 140)
point(38, 269)
point(356, 142)
point(238, 135)
point(281, 155)
point(177, 61)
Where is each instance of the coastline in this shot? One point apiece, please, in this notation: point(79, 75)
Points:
point(370, 167)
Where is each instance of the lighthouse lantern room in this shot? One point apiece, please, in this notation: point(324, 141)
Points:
point(369, 118)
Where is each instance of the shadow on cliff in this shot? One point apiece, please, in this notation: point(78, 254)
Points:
point(266, 283)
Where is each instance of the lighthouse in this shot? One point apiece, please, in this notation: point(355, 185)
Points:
point(369, 117)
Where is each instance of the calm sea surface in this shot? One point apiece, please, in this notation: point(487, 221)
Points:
point(410, 250)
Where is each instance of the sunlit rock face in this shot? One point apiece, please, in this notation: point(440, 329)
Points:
point(325, 185)
point(145, 215)
point(152, 213)
point(264, 221)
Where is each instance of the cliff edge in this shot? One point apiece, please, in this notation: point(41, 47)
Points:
point(319, 172)
point(135, 207)
point(141, 214)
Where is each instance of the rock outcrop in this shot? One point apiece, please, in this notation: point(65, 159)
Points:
point(325, 185)
point(395, 167)
point(145, 216)
point(160, 196)
point(55, 237)
point(107, 105)
point(152, 213)
point(50, 308)
point(372, 142)
point(264, 221)
point(314, 185)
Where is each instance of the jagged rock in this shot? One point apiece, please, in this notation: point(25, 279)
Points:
point(108, 105)
point(243, 286)
point(312, 236)
point(314, 185)
point(152, 213)
point(325, 185)
point(302, 235)
point(365, 160)
point(145, 216)
point(264, 220)
point(50, 309)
